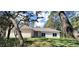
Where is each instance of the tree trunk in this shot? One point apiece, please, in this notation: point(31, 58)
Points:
point(9, 30)
point(18, 32)
point(67, 29)
point(8, 35)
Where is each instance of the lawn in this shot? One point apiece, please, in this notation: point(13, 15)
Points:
point(52, 42)
point(41, 42)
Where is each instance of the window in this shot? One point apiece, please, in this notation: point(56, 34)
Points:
point(43, 34)
point(54, 34)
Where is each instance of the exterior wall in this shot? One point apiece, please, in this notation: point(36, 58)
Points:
point(58, 35)
point(25, 35)
point(12, 35)
point(50, 35)
point(31, 34)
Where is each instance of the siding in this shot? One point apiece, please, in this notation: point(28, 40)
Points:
point(25, 35)
point(50, 35)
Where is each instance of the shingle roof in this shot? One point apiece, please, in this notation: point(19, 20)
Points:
point(45, 30)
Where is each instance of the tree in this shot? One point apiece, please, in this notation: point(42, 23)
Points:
point(75, 22)
point(10, 19)
point(54, 19)
point(14, 22)
point(67, 28)
point(62, 23)
point(4, 23)
point(50, 23)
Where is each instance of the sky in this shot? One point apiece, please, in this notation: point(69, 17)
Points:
point(41, 22)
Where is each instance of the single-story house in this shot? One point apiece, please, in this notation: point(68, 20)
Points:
point(46, 32)
point(28, 32)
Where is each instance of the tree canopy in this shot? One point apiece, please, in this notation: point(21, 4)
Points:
point(50, 23)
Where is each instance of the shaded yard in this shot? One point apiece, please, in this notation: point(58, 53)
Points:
point(40, 42)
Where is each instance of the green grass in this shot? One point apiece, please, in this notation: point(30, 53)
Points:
point(41, 42)
point(54, 42)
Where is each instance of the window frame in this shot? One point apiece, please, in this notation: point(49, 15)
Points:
point(43, 34)
point(54, 34)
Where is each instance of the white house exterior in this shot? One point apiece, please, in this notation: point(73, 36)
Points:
point(46, 32)
point(50, 35)
point(28, 32)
